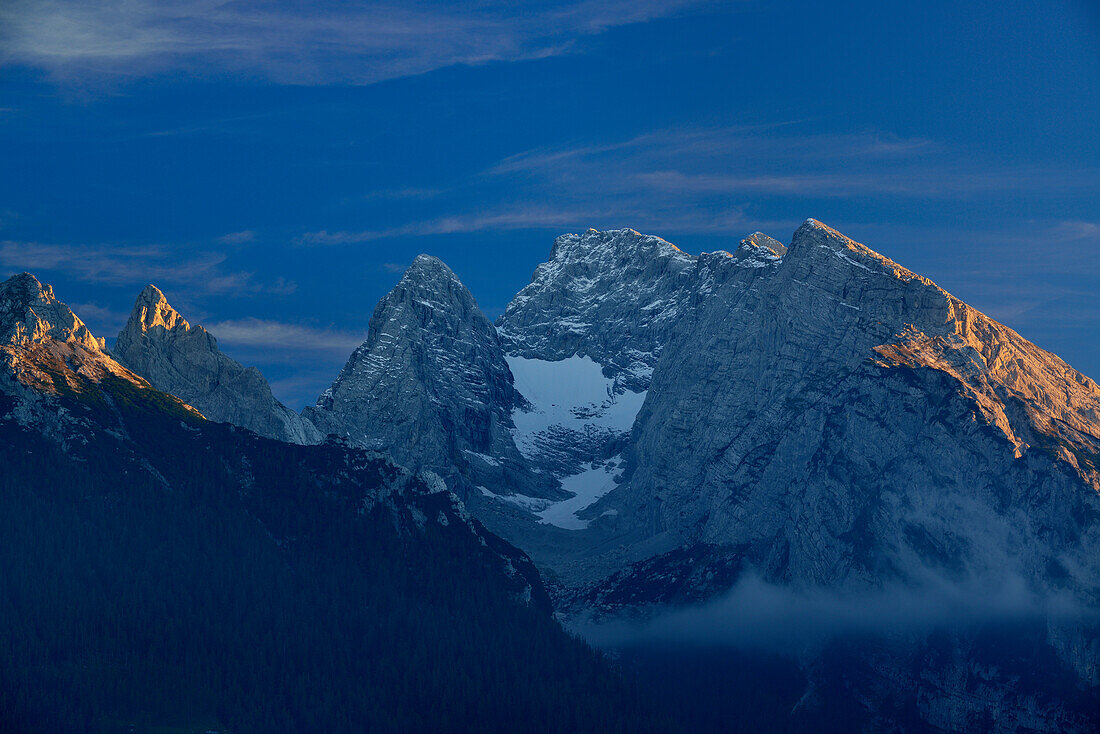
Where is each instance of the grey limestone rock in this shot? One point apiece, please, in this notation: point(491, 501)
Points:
point(430, 386)
point(841, 420)
point(821, 417)
point(184, 360)
point(611, 296)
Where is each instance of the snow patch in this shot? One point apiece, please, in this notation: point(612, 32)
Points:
point(572, 393)
point(586, 487)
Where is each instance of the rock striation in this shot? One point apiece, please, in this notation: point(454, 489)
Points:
point(819, 417)
point(430, 386)
point(610, 296)
point(44, 346)
point(184, 360)
point(841, 420)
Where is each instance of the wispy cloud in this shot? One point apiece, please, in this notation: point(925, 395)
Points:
point(105, 319)
point(777, 160)
point(758, 615)
point(608, 216)
point(237, 238)
point(203, 272)
point(512, 219)
point(719, 180)
point(285, 337)
point(303, 358)
point(301, 43)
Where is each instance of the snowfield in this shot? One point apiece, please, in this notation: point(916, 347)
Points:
point(572, 393)
point(587, 487)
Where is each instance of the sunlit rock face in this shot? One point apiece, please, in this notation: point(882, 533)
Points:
point(584, 337)
point(29, 313)
point(43, 344)
point(54, 372)
point(839, 419)
point(431, 387)
point(184, 360)
point(820, 417)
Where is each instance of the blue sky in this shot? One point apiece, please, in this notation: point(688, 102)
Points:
point(274, 166)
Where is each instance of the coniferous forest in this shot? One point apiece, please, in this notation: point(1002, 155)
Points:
point(161, 573)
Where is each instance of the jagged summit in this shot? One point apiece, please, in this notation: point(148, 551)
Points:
point(153, 313)
point(184, 360)
point(24, 286)
point(813, 238)
point(29, 313)
point(843, 420)
point(758, 241)
point(617, 244)
point(152, 309)
point(45, 349)
point(429, 265)
point(431, 280)
point(430, 386)
point(609, 296)
point(819, 407)
point(154, 321)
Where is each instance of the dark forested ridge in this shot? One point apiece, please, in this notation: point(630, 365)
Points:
point(162, 573)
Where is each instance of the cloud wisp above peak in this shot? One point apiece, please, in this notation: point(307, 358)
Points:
point(313, 43)
point(780, 160)
point(557, 220)
point(254, 333)
point(121, 265)
point(716, 180)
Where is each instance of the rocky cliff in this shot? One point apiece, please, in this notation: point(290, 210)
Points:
point(184, 360)
point(610, 296)
point(838, 419)
point(430, 386)
point(823, 419)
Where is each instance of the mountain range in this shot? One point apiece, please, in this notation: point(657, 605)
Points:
point(666, 434)
point(163, 571)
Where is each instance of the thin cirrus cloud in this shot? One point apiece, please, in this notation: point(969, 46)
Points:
point(238, 238)
point(777, 160)
point(128, 265)
point(299, 359)
point(504, 220)
point(709, 181)
point(608, 217)
point(307, 43)
point(254, 334)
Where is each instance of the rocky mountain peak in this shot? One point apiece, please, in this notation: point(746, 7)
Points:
point(29, 313)
point(760, 242)
point(152, 309)
point(429, 282)
point(184, 360)
point(430, 384)
point(24, 286)
point(430, 267)
point(616, 245)
point(45, 349)
point(154, 318)
point(829, 254)
point(609, 296)
point(837, 384)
